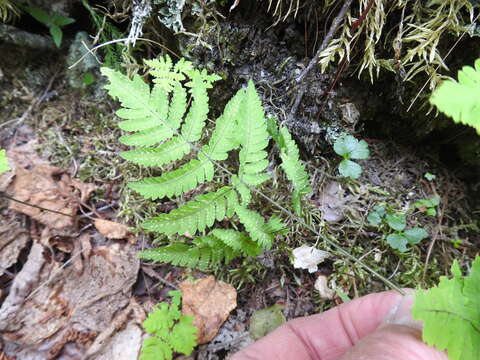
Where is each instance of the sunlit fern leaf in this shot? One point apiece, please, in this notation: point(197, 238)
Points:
point(238, 241)
point(139, 119)
point(178, 105)
point(197, 115)
point(223, 138)
point(166, 153)
point(275, 225)
point(253, 137)
point(165, 74)
point(175, 182)
point(461, 100)
point(208, 252)
point(170, 331)
point(147, 137)
point(255, 226)
point(196, 215)
point(294, 170)
point(145, 111)
point(198, 170)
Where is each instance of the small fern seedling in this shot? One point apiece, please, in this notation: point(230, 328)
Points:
point(165, 129)
point(170, 331)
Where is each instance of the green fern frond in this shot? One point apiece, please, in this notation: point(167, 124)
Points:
point(166, 153)
point(178, 105)
point(220, 246)
point(224, 137)
point(461, 100)
point(144, 111)
point(169, 331)
point(165, 74)
point(175, 182)
point(253, 137)
point(196, 171)
point(255, 226)
point(196, 215)
point(238, 241)
point(193, 257)
point(294, 170)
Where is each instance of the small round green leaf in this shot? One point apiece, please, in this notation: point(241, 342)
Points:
point(397, 241)
point(374, 218)
point(380, 210)
point(396, 221)
point(360, 152)
point(350, 169)
point(266, 320)
point(415, 235)
point(344, 145)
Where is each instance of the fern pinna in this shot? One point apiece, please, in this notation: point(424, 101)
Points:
point(165, 124)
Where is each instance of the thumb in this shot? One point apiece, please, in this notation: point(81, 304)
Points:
point(399, 338)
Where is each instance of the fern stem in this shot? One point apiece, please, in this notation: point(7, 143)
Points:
point(332, 243)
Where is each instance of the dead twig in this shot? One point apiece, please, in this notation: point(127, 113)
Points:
point(333, 29)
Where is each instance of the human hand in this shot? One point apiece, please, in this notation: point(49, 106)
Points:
point(374, 327)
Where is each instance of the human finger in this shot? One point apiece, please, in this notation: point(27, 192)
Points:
point(324, 336)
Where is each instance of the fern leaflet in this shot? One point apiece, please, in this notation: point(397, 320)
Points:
point(196, 215)
point(255, 226)
point(198, 170)
point(145, 111)
point(294, 170)
point(461, 100)
point(253, 137)
point(210, 251)
point(450, 313)
point(170, 331)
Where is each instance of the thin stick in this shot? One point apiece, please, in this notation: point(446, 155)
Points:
point(92, 50)
point(34, 206)
point(333, 29)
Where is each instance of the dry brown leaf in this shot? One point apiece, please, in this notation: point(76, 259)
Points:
point(48, 299)
point(13, 238)
point(39, 187)
point(36, 182)
point(332, 202)
point(210, 302)
point(111, 230)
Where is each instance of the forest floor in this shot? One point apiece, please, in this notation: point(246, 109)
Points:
point(72, 272)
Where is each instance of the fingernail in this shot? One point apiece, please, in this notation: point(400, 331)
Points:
point(401, 314)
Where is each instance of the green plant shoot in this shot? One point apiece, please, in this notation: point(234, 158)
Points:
point(164, 124)
point(54, 22)
point(350, 148)
point(170, 331)
point(400, 237)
